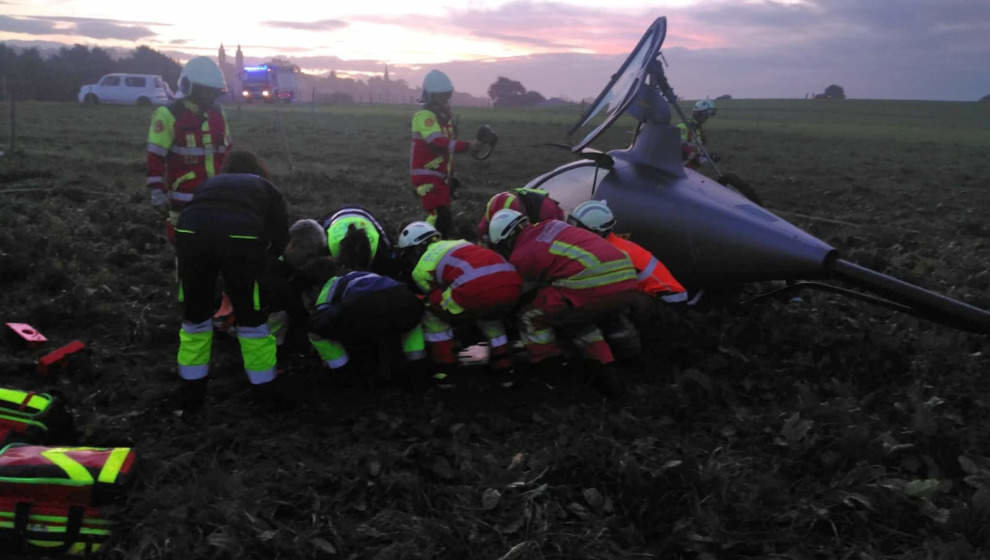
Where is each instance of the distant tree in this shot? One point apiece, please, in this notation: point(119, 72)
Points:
point(723, 97)
point(510, 93)
point(985, 98)
point(145, 60)
point(835, 92)
point(503, 88)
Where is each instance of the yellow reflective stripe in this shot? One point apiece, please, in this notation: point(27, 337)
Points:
point(187, 177)
point(413, 343)
point(233, 236)
point(338, 230)
point(194, 347)
point(182, 294)
point(258, 352)
point(177, 230)
point(423, 274)
point(75, 471)
point(594, 281)
point(38, 402)
point(433, 163)
point(208, 148)
point(324, 296)
point(163, 120)
point(684, 131)
point(574, 252)
point(447, 303)
point(256, 297)
point(111, 468)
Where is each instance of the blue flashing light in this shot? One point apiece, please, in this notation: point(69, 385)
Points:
point(255, 68)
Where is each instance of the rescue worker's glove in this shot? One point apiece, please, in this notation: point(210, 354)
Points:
point(487, 139)
point(159, 200)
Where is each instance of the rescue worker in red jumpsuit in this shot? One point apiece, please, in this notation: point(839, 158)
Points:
point(463, 282)
point(536, 204)
point(654, 278)
point(187, 140)
point(432, 151)
point(580, 279)
point(228, 228)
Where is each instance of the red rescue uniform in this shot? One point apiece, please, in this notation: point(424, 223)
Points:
point(578, 273)
point(186, 146)
point(430, 156)
point(536, 204)
point(654, 278)
point(466, 282)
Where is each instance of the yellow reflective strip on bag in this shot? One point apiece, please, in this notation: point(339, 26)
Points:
point(38, 402)
point(75, 471)
point(111, 467)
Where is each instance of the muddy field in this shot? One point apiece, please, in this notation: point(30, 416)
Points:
point(812, 427)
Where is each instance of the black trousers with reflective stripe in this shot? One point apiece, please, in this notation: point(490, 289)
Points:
point(203, 257)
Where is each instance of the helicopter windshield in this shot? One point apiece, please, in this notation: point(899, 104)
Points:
point(621, 89)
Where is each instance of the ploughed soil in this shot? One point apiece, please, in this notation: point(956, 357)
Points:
point(808, 426)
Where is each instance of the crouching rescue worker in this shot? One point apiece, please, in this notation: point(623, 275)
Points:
point(309, 239)
point(364, 312)
point(536, 204)
point(581, 279)
point(187, 140)
point(693, 135)
point(431, 156)
point(227, 229)
point(463, 282)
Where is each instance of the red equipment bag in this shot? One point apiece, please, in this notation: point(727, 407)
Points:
point(29, 417)
point(50, 496)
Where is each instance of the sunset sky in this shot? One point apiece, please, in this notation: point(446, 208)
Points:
point(907, 49)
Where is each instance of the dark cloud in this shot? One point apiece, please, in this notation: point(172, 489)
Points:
point(94, 28)
point(321, 25)
point(29, 26)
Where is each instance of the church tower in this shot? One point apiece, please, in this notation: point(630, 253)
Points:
point(239, 59)
point(221, 56)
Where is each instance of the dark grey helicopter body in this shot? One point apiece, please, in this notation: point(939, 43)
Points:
point(708, 235)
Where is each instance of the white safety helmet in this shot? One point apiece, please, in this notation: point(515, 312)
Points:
point(415, 234)
point(705, 107)
point(593, 215)
point(201, 71)
point(436, 82)
point(504, 223)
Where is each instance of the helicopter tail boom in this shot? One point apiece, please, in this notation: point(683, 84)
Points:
point(922, 302)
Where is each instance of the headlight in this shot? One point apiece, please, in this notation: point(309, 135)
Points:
point(246, 93)
point(265, 93)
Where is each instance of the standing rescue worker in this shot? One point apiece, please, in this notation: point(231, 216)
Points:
point(580, 279)
point(536, 204)
point(703, 110)
point(654, 278)
point(228, 227)
point(187, 140)
point(463, 282)
point(432, 151)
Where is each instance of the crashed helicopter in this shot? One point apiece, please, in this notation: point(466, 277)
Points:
point(710, 235)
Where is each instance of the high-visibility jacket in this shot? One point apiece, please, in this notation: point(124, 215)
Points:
point(686, 132)
point(186, 146)
point(463, 277)
point(431, 152)
point(536, 204)
point(568, 257)
point(654, 278)
point(336, 226)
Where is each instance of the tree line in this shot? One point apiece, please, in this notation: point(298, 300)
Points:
point(29, 75)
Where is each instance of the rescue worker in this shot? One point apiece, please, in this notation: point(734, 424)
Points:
point(432, 151)
point(703, 110)
point(362, 311)
point(535, 203)
point(187, 140)
point(228, 228)
point(580, 278)
point(338, 223)
point(463, 282)
point(654, 278)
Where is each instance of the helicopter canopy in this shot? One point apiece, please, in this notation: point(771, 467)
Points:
point(621, 89)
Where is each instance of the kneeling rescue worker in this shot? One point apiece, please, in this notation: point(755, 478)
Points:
point(581, 278)
point(654, 278)
point(188, 140)
point(463, 282)
point(536, 204)
point(226, 230)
